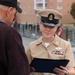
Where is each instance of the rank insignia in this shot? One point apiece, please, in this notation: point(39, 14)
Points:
point(51, 17)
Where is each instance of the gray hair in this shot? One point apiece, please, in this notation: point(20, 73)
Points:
point(2, 7)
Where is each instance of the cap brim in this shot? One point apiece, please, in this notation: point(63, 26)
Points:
point(19, 9)
point(49, 24)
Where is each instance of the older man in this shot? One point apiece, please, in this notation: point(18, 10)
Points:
point(13, 60)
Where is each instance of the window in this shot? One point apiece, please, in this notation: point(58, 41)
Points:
point(51, 0)
point(20, 6)
point(30, 12)
point(24, 12)
point(68, 5)
point(24, 5)
point(30, 6)
point(74, 53)
point(68, 12)
point(51, 5)
point(59, 7)
point(59, 0)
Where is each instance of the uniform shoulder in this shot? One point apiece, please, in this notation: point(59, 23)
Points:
point(65, 42)
point(35, 42)
point(61, 40)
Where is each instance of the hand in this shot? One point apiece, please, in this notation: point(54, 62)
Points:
point(61, 71)
point(32, 69)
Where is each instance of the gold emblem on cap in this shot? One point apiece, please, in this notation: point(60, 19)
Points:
point(51, 17)
point(57, 43)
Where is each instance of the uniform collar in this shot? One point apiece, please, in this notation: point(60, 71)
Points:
point(55, 41)
point(39, 41)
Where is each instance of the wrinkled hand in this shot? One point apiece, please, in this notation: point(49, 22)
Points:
point(32, 69)
point(61, 71)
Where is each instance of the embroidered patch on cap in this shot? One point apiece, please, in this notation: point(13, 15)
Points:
point(51, 16)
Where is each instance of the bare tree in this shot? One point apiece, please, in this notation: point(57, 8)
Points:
point(72, 11)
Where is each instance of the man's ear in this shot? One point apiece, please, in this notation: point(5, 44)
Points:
point(8, 11)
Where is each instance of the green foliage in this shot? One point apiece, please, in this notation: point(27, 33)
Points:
point(72, 11)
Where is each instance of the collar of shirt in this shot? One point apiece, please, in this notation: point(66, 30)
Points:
point(46, 44)
point(39, 41)
point(1, 20)
point(55, 41)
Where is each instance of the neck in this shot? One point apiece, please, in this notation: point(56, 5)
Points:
point(3, 20)
point(48, 40)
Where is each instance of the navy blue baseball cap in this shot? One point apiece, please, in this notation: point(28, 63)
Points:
point(50, 17)
point(11, 3)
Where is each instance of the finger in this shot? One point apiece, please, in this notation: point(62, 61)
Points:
point(64, 68)
point(32, 69)
point(58, 70)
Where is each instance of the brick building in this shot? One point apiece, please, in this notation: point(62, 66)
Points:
point(27, 22)
point(30, 8)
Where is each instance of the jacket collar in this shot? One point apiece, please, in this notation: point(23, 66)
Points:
point(56, 40)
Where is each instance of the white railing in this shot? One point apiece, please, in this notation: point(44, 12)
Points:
point(39, 1)
point(39, 8)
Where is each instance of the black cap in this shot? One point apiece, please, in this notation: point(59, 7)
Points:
point(50, 20)
point(11, 3)
point(50, 17)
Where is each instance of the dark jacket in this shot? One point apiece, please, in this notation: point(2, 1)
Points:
point(13, 60)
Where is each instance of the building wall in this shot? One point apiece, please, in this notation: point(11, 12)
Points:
point(29, 14)
point(28, 20)
point(65, 10)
